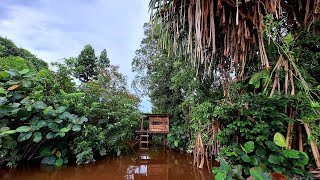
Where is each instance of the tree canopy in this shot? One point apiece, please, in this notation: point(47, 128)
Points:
point(9, 49)
point(86, 64)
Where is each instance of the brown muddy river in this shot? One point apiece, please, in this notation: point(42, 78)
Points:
point(151, 165)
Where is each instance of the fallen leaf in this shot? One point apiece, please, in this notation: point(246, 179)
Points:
point(13, 87)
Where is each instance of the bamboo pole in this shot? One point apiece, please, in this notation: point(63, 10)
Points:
point(288, 138)
point(313, 145)
point(289, 131)
point(300, 137)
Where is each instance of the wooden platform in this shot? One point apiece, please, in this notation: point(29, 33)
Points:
point(152, 132)
point(157, 124)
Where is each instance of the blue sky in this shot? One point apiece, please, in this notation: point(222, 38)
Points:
point(55, 29)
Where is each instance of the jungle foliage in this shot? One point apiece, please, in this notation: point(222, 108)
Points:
point(47, 117)
point(238, 73)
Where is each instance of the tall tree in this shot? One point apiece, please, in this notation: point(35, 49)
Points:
point(104, 61)
point(86, 64)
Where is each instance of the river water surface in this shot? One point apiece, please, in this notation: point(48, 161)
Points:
point(151, 165)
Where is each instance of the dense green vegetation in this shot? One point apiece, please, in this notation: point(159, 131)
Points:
point(236, 76)
point(241, 79)
point(49, 116)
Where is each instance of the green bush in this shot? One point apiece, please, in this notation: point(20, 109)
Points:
point(40, 121)
point(260, 159)
point(14, 62)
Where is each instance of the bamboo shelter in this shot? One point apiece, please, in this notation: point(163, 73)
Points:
point(157, 124)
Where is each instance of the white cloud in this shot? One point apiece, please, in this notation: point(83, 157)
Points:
point(53, 30)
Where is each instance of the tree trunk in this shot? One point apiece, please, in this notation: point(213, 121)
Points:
point(300, 137)
point(313, 145)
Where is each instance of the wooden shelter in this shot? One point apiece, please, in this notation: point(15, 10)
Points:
point(157, 124)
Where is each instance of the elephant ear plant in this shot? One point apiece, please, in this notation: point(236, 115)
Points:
point(262, 160)
point(29, 126)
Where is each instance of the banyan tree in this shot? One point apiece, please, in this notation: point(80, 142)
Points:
point(227, 39)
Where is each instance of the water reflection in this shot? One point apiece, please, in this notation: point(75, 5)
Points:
point(163, 165)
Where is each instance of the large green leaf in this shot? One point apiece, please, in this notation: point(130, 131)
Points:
point(261, 152)
point(298, 171)
point(29, 107)
point(288, 39)
point(40, 105)
point(256, 77)
point(256, 173)
point(83, 119)
point(53, 126)
point(254, 161)
point(47, 109)
point(24, 71)
point(3, 100)
point(29, 74)
point(3, 129)
point(304, 159)
point(4, 75)
point(176, 143)
point(249, 146)
point(80, 120)
point(7, 132)
point(18, 96)
point(50, 160)
point(246, 158)
point(259, 174)
point(238, 151)
point(273, 147)
point(291, 153)
point(215, 170)
point(37, 136)
point(220, 176)
point(65, 115)
point(24, 136)
point(274, 159)
point(64, 130)
point(45, 151)
point(58, 162)
point(26, 83)
point(5, 109)
point(65, 161)
point(61, 134)
point(14, 84)
point(61, 109)
point(13, 73)
point(50, 135)
point(25, 100)
point(3, 91)
point(76, 127)
point(15, 105)
point(279, 139)
point(41, 124)
point(279, 169)
point(23, 129)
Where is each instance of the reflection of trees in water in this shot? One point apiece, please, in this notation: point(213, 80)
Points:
point(162, 165)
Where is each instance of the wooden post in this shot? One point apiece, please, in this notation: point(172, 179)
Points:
point(164, 140)
point(300, 137)
point(313, 145)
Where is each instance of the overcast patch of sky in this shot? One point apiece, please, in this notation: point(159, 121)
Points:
point(53, 30)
